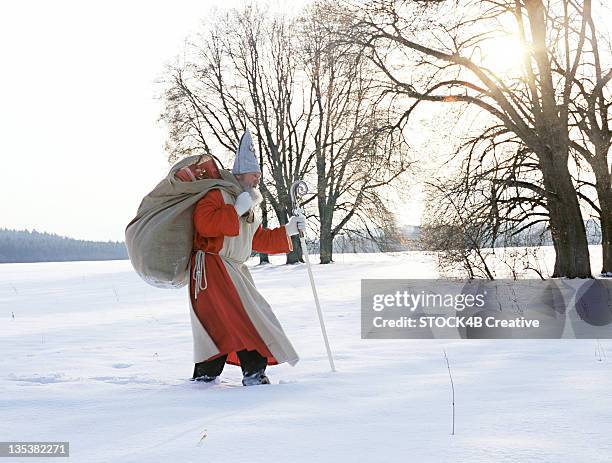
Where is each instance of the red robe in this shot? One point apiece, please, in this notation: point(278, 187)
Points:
point(218, 307)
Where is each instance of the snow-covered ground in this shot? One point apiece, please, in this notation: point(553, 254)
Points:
point(92, 355)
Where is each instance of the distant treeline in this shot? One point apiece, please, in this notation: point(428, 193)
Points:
point(33, 246)
point(410, 238)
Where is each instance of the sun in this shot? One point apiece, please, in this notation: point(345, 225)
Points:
point(502, 54)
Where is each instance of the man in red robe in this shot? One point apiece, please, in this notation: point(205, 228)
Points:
point(230, 310)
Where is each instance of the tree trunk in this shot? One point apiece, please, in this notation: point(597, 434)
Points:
point(326, 239)
point(295, 256)
point(569, 239)
point(566, 224)
point(606, 241)
point(604, 195)
point(325, 247)
point(605, 217)
point(264, 258)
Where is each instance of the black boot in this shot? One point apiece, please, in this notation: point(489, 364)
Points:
point(204, 378)
point(209, 370)
point(259, 377)
point(253, 366)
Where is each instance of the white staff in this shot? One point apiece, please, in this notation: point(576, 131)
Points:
point(299, 188)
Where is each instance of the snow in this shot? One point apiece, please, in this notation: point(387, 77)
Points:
point(93, 355)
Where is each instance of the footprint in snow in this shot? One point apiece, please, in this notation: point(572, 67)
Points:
point(122, 365)
point(40, 379)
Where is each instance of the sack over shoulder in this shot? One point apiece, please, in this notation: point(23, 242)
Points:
point(159, 239)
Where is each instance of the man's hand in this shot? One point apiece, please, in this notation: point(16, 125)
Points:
point(296, 224)
point(243, 203)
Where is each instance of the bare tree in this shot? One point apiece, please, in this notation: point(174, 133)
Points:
point(531, 106)
point(471, 235)
point(239, 72)
point(356, 155)
point(312, 110)
point(463, 241)
point(592, 138)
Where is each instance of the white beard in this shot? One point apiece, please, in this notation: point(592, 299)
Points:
point(256, 196)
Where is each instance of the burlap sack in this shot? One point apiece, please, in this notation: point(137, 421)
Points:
point(159, 239)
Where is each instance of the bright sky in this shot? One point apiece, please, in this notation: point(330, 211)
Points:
point(80, 145)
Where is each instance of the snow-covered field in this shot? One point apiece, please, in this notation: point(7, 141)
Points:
point(92, 355)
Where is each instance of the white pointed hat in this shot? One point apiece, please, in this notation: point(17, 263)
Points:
point(246, 159)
